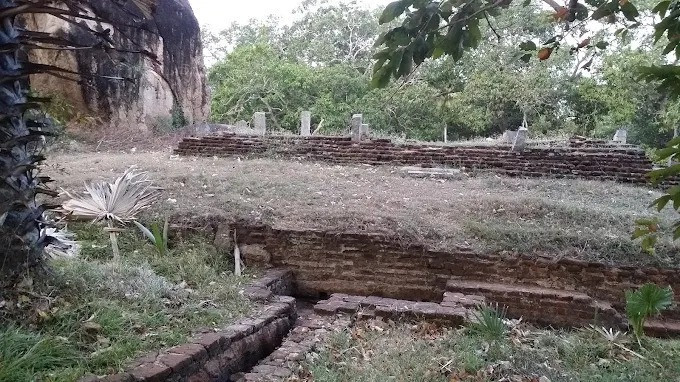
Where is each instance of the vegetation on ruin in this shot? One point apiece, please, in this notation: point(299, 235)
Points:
point(95, 315)
point(376, 351)
point(552, 217)
point(88, 314)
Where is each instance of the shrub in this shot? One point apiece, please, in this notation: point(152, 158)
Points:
point(648, 301)
point(489, 322)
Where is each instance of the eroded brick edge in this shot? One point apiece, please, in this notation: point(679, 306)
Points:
point(217, 355)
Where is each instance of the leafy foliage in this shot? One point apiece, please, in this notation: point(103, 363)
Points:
point(283, 70)
point(489, 322)
point(157, 236)
point(648, 301)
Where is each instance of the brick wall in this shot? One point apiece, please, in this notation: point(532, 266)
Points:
point(623, 164)
point(220, 355)
point(371, 265)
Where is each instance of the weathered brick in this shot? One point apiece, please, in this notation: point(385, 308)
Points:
point(151, 372)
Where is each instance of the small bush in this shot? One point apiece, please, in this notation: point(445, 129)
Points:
point(489, 322)
point(648, 301)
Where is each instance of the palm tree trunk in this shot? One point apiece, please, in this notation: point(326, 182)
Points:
point(21, 240)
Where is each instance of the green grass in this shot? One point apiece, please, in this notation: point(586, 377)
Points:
point(91, 315)
point(376, 351)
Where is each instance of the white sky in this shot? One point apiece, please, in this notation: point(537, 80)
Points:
point(219, 14)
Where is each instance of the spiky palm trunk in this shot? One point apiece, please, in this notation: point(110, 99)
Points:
point(21, 240)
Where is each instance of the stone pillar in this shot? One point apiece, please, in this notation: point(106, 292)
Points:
point(621, 136)
point(364, 131)
point(509, 136)
point(357, 121)
point(520, 139)
point(306, 123)
point(260, 123)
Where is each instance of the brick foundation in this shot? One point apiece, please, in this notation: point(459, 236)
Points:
point(217, 356)
point(599, 162)
point(371, 265)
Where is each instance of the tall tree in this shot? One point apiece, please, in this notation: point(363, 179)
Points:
point(332, 33)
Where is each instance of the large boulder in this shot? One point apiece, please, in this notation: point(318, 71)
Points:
point(172, 84)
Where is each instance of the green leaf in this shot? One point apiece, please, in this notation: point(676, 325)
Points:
point(393, 10)
point(166, 230)
point(649, 243)
point(604, 11)
point(630, 11)
point(528, 45)
point(474, 33)
point(382, 38)
point(666, 153)
point(406, 64)
point(381, 77)
point(662, 8)
point(639, 232)
point(648, 301)
point(661, 202)
point(145, 231)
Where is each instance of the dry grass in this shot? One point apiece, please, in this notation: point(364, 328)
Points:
point(379, 351)
point(586, 219)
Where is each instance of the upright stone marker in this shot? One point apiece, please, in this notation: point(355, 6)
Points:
point(509, 136)
point(621, 136)
point(306, 123)
point(357, 121)
point(364, 131)
point(260, 123)
point(520, 139)
point(242, 125)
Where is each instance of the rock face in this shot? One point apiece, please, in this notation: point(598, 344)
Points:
point(172, 84)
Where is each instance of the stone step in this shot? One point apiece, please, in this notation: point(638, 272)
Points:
point(371, 307)
point(662, 328)
point(545, 306)
point(454, 299)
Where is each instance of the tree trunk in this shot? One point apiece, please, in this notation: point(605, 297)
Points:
point(21, 238)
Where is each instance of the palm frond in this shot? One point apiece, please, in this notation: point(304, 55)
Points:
point(120, 201)
point(64, 246)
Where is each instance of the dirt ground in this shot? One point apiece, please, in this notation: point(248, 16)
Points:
point(584, 219)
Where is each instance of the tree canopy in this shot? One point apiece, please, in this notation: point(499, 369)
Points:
point(320, 61)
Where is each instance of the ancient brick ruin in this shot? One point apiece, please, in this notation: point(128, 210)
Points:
point(367, 276)
point(596, 160)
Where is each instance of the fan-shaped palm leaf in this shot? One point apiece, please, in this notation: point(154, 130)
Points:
point(117, 202)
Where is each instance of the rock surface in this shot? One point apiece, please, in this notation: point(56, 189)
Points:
point(177, 76)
